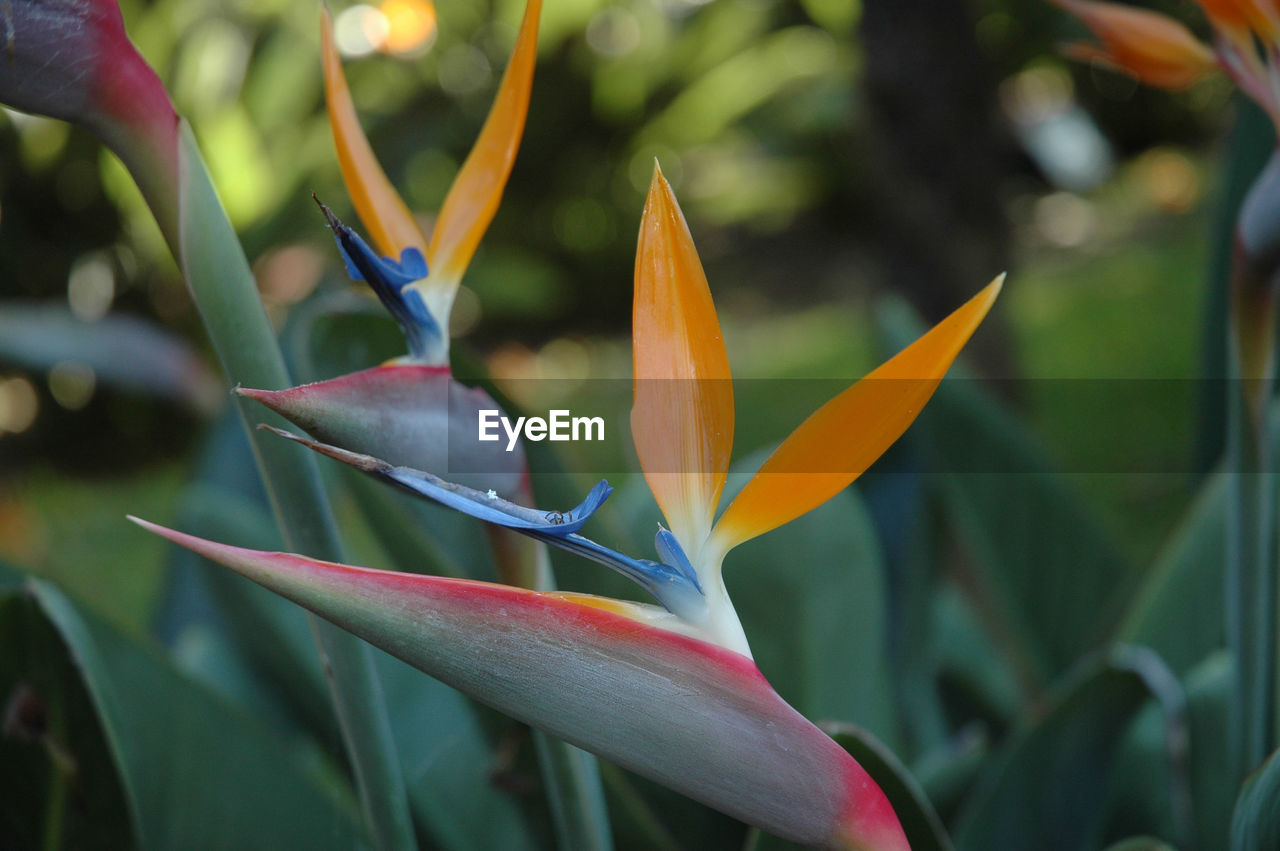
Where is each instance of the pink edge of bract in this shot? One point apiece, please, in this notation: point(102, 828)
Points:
point(482, 594)
point(363, 380)
point(869, 822)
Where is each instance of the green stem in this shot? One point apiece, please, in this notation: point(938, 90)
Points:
point(224, 291)
point(55, 810)
point(571, 776)
point(1250, 590)
point(61, 768)
point(1251, 585)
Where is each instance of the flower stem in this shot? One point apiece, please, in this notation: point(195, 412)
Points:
point(223, 287)
point(1251, 584)
point(575, 792)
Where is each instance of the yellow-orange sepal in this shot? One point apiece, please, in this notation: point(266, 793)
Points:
point(1154, 48)
point(1242, 15)
point(682, 414)
point(384, 214)
point(846, 435)
point(473, 199)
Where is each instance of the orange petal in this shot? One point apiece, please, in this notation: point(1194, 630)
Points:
point(682, 414)
point(473, 198)
point(384, 214)
point(1154, 48)
point(1242, 15)
point(846, 435)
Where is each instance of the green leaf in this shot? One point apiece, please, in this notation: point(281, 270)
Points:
point(1177, 611)
point(1241, 295)
point(813, 602)
point(339, 332)
point(194, 771)
point(449, 764)
point(1251, 143)
point(225, 292)
point(10, 576)
point(575, 791)
point(1179, 794)
point(1199, 815)
point(1147, 786)
point(1207, 688)
point(909, 531)
point(417, 537)
point(1255, 823)
point(1250, 588)
point(251, 630)
point(1047, 788)
point(60, 786)
point(977, 679)
point(1173, 612)
point(127, 352)
point(1051, 579)
point(272, 638)
point(637, 825)
point(947, 772)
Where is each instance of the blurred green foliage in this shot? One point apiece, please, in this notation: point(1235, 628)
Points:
point(757, 112)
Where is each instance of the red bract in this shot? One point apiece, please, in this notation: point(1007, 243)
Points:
point(409, 414)
point(71, 59)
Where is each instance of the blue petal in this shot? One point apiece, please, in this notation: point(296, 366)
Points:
point(670, 551)
point(675, 587)
point(390, 281)
point(672, 581)
point(412, 265)
point(417, 309)
point(494, 509)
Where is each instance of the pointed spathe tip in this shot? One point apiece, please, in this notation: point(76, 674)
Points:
point(276, 400)
point(986, 297)
point(658, 183)
point(196, 545)
point(256, 395)
point(334, 223)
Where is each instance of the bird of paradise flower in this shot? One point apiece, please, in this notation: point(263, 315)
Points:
point(667, 691)
point(1161, 52)
point(411, 410)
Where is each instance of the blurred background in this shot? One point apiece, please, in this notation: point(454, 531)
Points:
point(825, 152)
point(843, 165)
